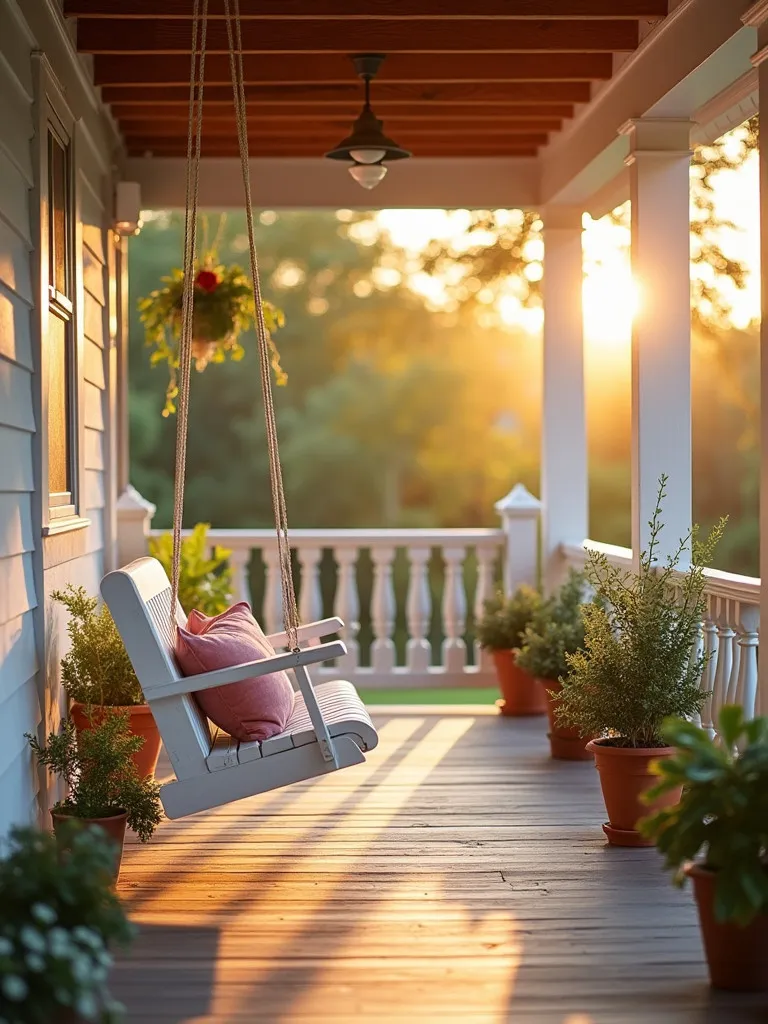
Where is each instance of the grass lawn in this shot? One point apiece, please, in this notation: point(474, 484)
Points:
point(450, 695)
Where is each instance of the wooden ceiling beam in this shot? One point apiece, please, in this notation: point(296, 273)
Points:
point(325, 138)
point(156, 35)
point(350, 96)
point(527, 132)
point(159, 148)
point(548, 115)
point(378, 9)
point(336, 69)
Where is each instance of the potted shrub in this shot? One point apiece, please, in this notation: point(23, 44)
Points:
point(500, 630)
point(104, 787)
point(223, 310)
point(557, 630)
point(97, 674)
point(60, 919)
point(717, 835)
point(638, 666)
point(205, 579)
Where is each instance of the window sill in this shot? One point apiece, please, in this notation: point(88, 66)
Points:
point(65, 525)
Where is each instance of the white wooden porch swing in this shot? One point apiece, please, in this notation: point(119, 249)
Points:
point(329, 728)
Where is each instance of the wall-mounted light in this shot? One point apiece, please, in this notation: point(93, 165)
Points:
point(367, 147)
point(127, 208)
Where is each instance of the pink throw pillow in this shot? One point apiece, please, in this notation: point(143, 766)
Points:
point(257, 707)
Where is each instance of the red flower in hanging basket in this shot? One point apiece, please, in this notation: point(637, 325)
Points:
point(207, 281)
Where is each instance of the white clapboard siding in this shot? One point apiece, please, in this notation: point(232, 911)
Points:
point(16, 396)
point(16, 460)
point(15, 327)
point(29, 683)
point(15, 264)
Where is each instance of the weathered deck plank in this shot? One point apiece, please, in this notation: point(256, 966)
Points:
point(459, 875)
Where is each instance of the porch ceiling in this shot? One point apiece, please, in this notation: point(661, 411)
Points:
point(492, 78)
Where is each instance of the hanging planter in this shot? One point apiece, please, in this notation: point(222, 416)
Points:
point(223, 310)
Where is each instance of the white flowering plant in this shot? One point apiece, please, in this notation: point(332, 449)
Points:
point(60, 919)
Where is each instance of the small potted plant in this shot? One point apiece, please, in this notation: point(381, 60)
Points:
point(97, 674)
point(104, 787)
point(717, 835)
point(205, 579)
point(500, 630)
point(638, 666)
point(557, 630)
point(223, 310)
point(60, 919)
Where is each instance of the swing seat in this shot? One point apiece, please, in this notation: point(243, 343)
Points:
point(328, 730)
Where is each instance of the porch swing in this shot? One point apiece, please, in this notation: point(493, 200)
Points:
point(329, 728)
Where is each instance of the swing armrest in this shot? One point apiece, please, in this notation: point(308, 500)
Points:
point(311, 631)
point(236, 673)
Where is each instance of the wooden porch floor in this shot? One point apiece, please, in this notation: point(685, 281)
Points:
point(459, 875)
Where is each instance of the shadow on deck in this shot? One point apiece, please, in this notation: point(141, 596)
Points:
point(459, 875)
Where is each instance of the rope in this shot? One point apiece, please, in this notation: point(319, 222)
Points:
point(194, 135)
point(290, 610)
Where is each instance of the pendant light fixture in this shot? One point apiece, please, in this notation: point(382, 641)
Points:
point(367, 147)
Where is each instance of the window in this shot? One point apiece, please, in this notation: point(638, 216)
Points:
point(59, 436)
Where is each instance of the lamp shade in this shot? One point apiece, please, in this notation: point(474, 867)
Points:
point(367, 144)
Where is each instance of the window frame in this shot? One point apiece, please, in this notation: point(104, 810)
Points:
point(60, 512)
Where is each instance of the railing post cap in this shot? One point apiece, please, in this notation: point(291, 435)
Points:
point(519, 502)
point(132, 504)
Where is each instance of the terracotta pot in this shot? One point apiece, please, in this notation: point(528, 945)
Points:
point(737, 957)
point(625, 774)
point(520, 691)
point(113, 828)
point(142, 723)
point(566, 744)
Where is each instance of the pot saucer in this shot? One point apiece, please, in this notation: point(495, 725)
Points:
point(620, 837)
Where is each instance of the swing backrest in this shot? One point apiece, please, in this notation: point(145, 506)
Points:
point(139, 598)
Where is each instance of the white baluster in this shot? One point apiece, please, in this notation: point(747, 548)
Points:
point(454, 611)
point(733, 693)
point(696, 652)
point(240, 560)
point(383, 610)
point(748, 639)
point(311, 598)
point(709, 647)
point(273, 593)
point(417, 609)
point(348, 604)
point(725, 638)
point(486, 558)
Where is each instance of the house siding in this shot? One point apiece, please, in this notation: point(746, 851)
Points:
point(33, 630)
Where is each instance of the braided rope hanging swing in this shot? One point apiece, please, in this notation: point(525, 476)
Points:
point(194, 139)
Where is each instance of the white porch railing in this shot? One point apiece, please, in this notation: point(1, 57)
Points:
point(730, 634)
point(416, 594)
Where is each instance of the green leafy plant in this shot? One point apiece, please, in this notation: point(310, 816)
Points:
point(223, 309)
point(97, 669)
point(638, 665)
point(556, 631)
point(723, 813)
point(99, 772)
point(205, 580)
point(505, 619)
point(60, 918)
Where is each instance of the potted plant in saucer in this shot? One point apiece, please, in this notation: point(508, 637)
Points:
point(60, 920)
point(717, 835)
point(97, 674)
point(103, 785)
point(223, 309)
point(500, 630)
point(557, 630)
point(639, 665)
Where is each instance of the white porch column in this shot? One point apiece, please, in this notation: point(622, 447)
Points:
point(564, 469)
point(757, 17)
point(659, 168)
